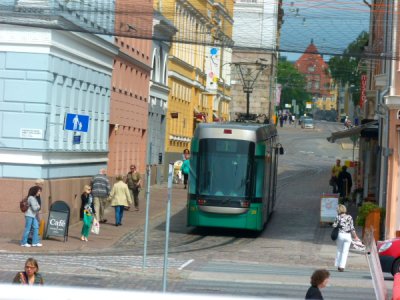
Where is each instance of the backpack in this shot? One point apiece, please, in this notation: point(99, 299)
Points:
point(24, 204)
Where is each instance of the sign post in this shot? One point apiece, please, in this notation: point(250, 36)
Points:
point(58, 220)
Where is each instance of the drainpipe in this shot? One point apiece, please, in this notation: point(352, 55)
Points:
point(392, 91)
point(393, 48)
point(384, 144)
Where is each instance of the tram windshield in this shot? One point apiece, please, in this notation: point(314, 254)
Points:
point(224, 167)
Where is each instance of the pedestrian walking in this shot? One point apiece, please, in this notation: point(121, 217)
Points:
point(319, 280)
point(31, 275)
point(38, 182)
point(120, 197)
point(87, 212)
point(336, 169)
point(30, 218)
point(343, 242)
point(134, 181)
point(185, 168)
point(344, 183)
point(281, 120)
point(100, 191)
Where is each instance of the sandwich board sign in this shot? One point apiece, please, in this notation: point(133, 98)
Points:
point(329, 204)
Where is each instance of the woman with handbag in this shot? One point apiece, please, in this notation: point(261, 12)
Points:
point(343, 242)
point(87, 212)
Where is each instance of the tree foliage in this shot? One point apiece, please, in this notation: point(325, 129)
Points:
point(293, 85)
point(346, 68)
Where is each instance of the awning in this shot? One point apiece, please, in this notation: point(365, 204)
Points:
point(355, 131)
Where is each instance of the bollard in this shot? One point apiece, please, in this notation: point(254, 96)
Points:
point(396, 287)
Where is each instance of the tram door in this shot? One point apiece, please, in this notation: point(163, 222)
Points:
point(271, 167)
point(274, 174)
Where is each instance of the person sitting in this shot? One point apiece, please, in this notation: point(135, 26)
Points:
point(31, 275)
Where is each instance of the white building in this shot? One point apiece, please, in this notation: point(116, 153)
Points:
point(256, 36)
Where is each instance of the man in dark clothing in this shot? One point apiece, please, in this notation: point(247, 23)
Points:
point(344, 183)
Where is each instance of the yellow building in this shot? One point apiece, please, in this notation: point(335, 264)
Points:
point(198, 68)
point(328, 102)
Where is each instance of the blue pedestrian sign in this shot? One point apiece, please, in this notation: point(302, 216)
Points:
point(76, 122)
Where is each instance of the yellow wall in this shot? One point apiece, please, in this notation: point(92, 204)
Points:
point(187, 78)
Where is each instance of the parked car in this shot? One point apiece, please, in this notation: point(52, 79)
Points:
point(307, 123)
point(301, 119)
point(389, 255)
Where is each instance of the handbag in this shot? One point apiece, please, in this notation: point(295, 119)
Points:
point(332, 181)
point(87, 218)
point(95, 226)
point(335, 233)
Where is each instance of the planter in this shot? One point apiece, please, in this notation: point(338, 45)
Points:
point(372, 222)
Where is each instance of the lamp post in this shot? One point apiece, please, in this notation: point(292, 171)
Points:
point(249, 76)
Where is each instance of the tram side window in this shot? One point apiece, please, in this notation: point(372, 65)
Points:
point(224, 167)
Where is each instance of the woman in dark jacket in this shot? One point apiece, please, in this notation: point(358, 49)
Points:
point(319, 280)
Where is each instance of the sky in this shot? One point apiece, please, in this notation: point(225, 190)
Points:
point(331, 24)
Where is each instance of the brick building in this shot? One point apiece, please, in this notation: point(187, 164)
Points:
point(312, 65)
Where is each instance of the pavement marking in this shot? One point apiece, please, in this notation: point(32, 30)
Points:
point(88, 263)
point(185, 264)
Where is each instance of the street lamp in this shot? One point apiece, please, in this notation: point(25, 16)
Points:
point(249, 76)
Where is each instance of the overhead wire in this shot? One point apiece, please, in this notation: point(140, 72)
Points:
point(322, 20)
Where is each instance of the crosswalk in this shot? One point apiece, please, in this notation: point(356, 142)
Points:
point(88, 264)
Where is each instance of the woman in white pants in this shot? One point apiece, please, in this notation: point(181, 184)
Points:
point(343, 242)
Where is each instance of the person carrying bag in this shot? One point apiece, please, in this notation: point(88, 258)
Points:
point(87, 212)
point(346, 230)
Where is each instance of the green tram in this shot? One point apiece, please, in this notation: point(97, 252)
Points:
point(233, 176)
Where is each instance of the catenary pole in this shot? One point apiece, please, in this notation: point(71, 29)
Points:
point(170, 172)
point(146, 224)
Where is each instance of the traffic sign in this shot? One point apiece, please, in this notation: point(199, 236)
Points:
point(76, 122)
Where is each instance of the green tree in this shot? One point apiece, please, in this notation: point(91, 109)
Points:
point(346, 68)
point(293, 85)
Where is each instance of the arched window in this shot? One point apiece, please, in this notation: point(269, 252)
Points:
point(155, 74)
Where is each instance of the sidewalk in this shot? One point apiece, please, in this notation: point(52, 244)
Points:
point(109, 233)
